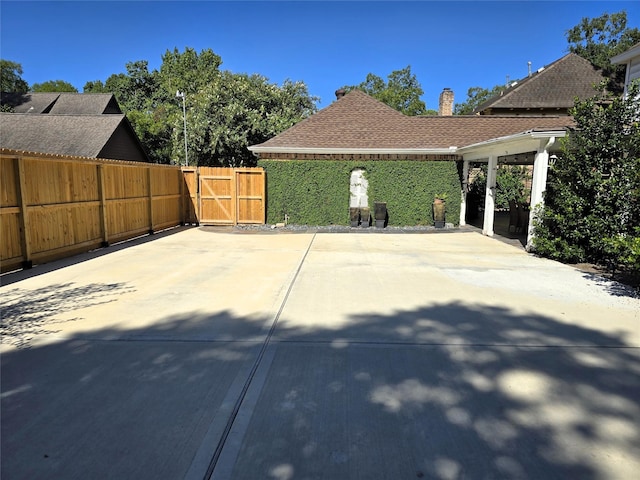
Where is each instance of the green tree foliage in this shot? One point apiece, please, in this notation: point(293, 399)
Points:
point(592, 202)
point(237, 110)
point(401, 91)
point(476, 96)
point(599, 39)
point(53, 86)
point(11, 77)
point(510, 185)
point(226, 112)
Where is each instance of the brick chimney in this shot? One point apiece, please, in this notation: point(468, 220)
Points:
point(340, 93)
point(446, 102)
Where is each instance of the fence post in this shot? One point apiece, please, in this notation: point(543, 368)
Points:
point(198, 197)
point(103, 206)
point(149, 175)
point(25, 239)
point(183, 203)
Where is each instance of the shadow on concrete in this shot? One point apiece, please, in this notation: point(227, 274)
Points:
point(444, 392)
point(29, 313)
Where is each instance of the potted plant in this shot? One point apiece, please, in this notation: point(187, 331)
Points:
point(439, 207)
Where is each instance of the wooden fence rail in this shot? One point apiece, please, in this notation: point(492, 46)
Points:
point(53, 206)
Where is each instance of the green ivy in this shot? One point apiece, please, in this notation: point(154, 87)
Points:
point(316, 192)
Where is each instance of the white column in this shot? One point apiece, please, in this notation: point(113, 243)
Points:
point(538, 183)
point(490, 195)
point(465, 188)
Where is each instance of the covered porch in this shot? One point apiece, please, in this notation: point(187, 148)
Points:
point(533, 148)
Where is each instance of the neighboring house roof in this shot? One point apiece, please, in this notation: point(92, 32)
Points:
point(358, 122)
point(62, 103)
point(29, 102)
point(94, 136)
point(627, 55)
point(631, 58)
point(553, 87)
point(86, 104)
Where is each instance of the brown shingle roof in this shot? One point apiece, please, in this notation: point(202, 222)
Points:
point(358, 121)
point(556, 86)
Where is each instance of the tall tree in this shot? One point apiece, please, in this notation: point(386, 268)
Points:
point(11, 77)
point(53, 86)
point(225, 112)
point(476, 96)
point(598, 39)
point(401, 91)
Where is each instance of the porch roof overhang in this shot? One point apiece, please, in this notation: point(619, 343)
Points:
point(509, 145)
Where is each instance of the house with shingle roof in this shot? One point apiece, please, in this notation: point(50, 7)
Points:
point(75, 124)
point(551, 90)
point(62, 103)
point(91, 136)
point(522, 127)
point(631, 59)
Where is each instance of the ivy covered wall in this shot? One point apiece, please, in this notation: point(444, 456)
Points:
point(317, 192)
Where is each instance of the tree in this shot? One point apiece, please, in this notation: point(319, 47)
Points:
point(592, 202)
point(599, 39)
point(476, 96)
point(238, 110)
point(10, 77)
point(53, 86)
point(226, 112)
point(402, 91)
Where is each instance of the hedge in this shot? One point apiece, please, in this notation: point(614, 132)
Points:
point(316, 192)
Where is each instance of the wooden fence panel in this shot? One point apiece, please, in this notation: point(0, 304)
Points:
point(250, 188)
point(53, 206)
point(190, 194)
point(217, 196)
point(11, 249)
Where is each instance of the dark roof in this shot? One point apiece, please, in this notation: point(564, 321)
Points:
point(555, 86)
point(76, 135)
point(29, 102)
point(358, 121)
point(86, 104)
point(62, 103)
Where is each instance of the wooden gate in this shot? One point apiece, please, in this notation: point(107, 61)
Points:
point(229, 196)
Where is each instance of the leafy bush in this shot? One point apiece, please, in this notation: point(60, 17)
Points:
point(592, 202)
point(316, 192)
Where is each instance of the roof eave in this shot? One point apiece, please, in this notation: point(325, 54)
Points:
point(356, 151)
point(523, 141)
point(624, 57)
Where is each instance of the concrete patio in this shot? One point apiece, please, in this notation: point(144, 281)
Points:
point(202, 353)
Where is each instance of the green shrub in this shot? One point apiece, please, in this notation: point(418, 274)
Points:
point(316, 192)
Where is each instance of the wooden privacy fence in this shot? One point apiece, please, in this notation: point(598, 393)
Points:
point(53, 207)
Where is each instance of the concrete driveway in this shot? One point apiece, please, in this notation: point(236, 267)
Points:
point(209, 354)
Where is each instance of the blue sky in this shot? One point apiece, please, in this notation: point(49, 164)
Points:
point(325, 44)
